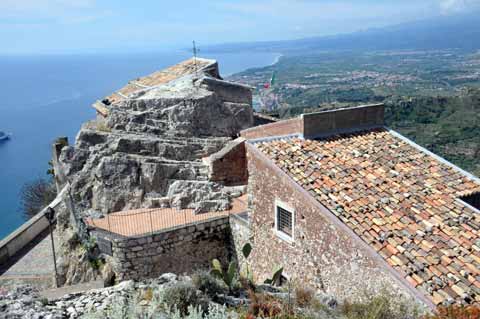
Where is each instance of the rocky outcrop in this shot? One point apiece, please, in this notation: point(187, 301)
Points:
point(27, 302)
point(151, 145)
point(151, 299)
point(129, 299)
point(145, 150)
point(187, 107)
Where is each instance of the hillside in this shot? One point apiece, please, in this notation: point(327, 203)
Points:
point(432, 96)
point(445, 32)
point(448, 126)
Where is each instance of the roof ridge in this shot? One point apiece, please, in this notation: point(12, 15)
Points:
point(401, 200)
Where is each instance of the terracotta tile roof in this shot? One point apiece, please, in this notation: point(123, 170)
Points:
point(146, 220)
point(157, 78)
point(398, 199)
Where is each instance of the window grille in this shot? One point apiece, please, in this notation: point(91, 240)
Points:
point(285, 221)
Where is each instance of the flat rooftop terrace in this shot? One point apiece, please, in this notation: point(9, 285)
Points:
point(143, 221)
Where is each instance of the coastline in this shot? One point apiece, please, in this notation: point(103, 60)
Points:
point(277, 59)
point(26, 158)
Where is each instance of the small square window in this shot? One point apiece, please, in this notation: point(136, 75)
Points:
point(472, 200)
point(284, 221)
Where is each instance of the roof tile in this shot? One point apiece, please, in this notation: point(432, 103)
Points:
point(398, 199)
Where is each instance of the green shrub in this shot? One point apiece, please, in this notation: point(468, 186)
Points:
point(208, 284)
point(180, 296)
point(275, 278)
point(379, 307)
point(96, 263)
point(228, 276)
point(44, 301)
point(215, 311)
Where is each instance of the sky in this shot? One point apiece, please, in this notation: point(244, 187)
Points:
point(77, 26)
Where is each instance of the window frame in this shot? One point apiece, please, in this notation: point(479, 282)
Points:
point(284, 236)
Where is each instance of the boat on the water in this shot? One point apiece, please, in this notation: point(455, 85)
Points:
point(4, 136)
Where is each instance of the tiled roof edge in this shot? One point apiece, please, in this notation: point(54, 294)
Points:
point(360, 128)
point(274, 138)
point(346, 108)
point(437, 157)
point(397, 274)
point(468, 205)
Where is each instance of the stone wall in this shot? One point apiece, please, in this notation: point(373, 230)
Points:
point(323, 254)
point(286, 127)
point(240, 235)
point(229, 165)
point(177, 251)
point(24, 235)
point(229, 91)
point(323, 123)
point(343, 120)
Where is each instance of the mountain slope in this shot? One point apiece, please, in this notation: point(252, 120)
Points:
point(455, 31)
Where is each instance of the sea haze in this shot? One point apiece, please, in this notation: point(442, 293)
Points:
point(44, 97)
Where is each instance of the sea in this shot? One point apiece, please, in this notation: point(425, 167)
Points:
point(44, 97)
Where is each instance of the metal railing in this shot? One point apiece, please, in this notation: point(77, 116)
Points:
point(140, 222)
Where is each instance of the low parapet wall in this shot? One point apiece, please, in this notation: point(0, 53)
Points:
point(178, 251)
point(342, 120)
point(229, 91)
point(280, 128)
point(26, 233)
point(229, 165)
point(314, 125)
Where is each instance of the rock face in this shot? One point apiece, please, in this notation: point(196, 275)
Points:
point(145, 150)
point(128, 299)
point(150, 145)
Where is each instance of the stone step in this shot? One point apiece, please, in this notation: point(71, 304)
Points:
point(175, 150)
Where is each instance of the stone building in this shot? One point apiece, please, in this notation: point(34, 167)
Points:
point(344, 204)
point(349, 207)
point(151, 163)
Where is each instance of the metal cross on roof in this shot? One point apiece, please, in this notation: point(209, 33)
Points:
point(195, 51)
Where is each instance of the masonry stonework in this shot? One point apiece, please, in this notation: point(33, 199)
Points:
point(322, 255)
point(177, 251)
point(240, 235)
point(229, 165)
point(317, 124)
point(292, 126)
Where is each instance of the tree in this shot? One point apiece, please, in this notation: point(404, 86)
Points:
point(36, 195)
